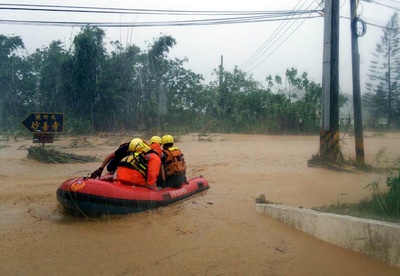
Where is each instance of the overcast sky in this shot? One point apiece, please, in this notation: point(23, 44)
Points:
point(264, 48)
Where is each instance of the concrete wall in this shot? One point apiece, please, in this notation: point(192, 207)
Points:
point(380, 240)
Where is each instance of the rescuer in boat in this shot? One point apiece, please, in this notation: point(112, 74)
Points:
point(155, 144)
point(112, 160)
point(141, 167)
point(174, 163)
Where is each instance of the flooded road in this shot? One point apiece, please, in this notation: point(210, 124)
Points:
point(216, 232)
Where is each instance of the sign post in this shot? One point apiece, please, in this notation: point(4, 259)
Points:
point(44, 125)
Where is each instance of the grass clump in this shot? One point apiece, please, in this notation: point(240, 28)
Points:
point(384, 206)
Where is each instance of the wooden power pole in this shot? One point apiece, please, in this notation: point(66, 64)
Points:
point(329, 136)
point(358, 128)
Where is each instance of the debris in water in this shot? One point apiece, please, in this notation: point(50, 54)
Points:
point(45, 155)
point(262, 199)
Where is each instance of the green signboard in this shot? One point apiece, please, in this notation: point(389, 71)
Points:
point(44, 122)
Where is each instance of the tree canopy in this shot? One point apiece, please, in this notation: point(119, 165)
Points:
point(143, 89)
point(382, 99)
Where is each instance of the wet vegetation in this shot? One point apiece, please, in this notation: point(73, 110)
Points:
point(383, 206)
point(128, 88)
point(49, 155)
point(103, 87)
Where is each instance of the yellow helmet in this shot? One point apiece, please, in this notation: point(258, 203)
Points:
point(137, 145)
point(155, 139)
point(167, 139)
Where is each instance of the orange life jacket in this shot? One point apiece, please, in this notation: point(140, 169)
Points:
point(174, 162)
point(139, 169)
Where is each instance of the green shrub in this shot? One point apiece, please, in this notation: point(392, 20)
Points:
point(388, 203)
point(382, 206)
point(392, 198)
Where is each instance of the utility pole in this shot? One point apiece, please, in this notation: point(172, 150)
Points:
point(222, 98)
point(358, 128)
point(221, 71)
point(329, 136)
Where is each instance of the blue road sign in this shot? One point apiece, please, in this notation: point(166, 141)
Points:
point(44, 122)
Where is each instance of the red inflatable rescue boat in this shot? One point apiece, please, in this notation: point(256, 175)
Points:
point(87, 196)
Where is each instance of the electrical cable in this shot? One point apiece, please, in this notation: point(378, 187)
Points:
point(277, 30)
point(276, 48)
point(274, 42)
point(387, 6)
point(76, 9)
point(214, 21)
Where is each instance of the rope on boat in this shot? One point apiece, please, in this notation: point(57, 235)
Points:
point(76, 205)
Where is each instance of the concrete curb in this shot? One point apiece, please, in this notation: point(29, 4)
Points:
point(381, 240)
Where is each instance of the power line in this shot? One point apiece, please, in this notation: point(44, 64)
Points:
point(255, 56)
point(239, 20)
point(272, 37)
point(224, 17)
point(77, 9)
point(277, 30)
point(277, 47)
point(387, 6)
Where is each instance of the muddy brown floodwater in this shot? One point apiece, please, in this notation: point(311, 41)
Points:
point(216, 232)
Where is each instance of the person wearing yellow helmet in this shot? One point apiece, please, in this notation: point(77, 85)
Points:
point(137, 145)
point(155, 144)
point(155, 139)
point(174, 163)
point(167, 140)
point(140, 167)
point(112, 159)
